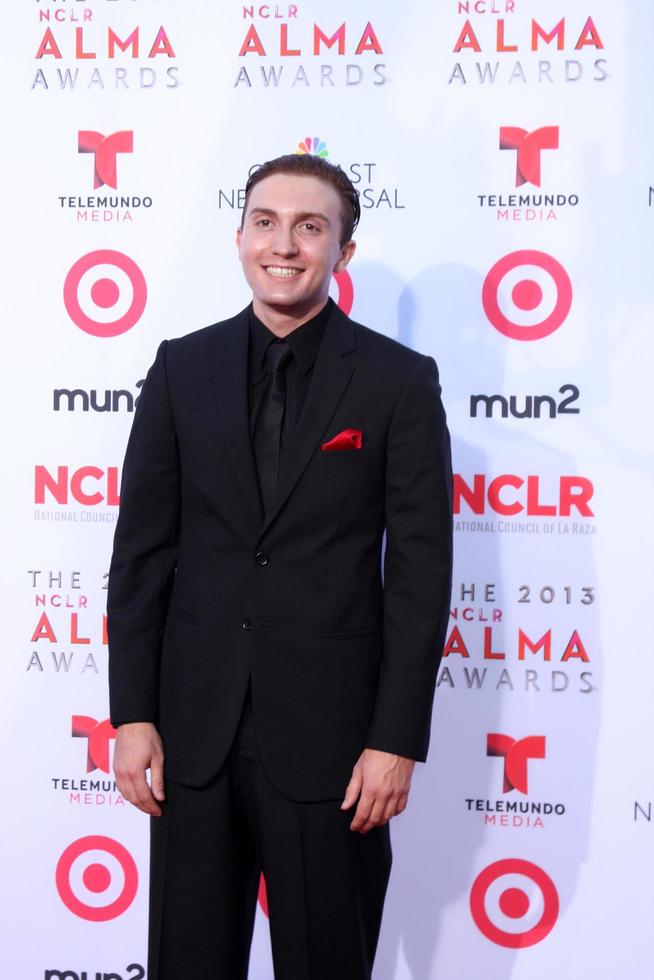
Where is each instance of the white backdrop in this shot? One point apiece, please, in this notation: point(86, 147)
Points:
point(504, 156)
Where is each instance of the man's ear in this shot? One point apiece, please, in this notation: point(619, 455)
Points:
point(347, 252)
point(239, 236)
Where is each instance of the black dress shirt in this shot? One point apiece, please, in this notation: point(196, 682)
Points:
point(304, 342)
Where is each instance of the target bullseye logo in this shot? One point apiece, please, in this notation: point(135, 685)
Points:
point(96, 878)
point(514, 903)
point(105, 293)
point(527, 295)
point(262, 896)
point(345, 294)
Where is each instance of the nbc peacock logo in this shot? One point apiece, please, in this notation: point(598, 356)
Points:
point(313, 145)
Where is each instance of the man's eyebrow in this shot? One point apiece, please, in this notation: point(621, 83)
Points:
point(304, 215)
point(301, 216)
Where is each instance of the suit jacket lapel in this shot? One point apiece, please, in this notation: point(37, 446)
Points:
point(331, 376)
point(230, 371)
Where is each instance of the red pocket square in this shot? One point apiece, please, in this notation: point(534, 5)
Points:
point(347, 439)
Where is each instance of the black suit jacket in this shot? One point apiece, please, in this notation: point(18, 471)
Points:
point(205, 592)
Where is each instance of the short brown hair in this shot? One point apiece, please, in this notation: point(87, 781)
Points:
point(307, 165)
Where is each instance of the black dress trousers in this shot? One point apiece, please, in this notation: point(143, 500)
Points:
point(326, 884)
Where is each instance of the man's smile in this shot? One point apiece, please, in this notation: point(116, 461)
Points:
point(282, 271)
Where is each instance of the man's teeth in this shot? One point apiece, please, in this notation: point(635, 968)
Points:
point(282, 271)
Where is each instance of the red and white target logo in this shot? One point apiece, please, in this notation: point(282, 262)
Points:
point(105, 293)
point(527, 295)
point(514, 903)
point(263, 896)
point(96, 878)
point(344, 293)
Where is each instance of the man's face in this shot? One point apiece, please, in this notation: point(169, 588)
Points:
point(289, 245)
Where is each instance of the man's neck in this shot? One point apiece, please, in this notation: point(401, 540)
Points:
point(281, 320)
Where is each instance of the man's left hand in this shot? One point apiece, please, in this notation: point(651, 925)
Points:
point(381, 782)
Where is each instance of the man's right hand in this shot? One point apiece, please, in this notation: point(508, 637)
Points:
point(139, 747)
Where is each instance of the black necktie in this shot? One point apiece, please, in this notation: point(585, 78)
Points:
point(268, 427)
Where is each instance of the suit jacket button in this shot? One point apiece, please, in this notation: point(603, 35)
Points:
point(261, 558)
point(246, 623)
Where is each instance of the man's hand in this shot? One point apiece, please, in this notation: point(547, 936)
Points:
point(139, 747)
point(381, 782)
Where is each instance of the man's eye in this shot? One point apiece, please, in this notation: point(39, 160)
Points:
point(310, 227)
point(263, 222)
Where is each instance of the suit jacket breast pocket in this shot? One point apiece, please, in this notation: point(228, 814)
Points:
point(350, 471)
point(334, 455)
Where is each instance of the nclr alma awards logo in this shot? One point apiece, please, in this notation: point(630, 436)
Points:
point(68, 52)
point(349, 54)
point(69, 633)
point(474, 659)
point(525, 50)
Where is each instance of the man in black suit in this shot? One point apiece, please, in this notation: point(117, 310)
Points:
point(252, 641)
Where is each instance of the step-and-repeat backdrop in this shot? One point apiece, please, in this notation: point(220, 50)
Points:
point(503, 154)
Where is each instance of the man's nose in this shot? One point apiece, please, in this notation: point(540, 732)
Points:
point(284, 242)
